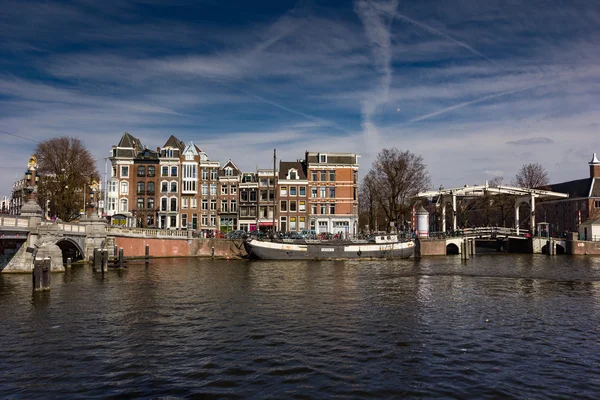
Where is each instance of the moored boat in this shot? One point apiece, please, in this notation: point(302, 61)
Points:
point(381, 246)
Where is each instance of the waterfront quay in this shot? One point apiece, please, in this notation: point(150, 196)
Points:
point(499, 326)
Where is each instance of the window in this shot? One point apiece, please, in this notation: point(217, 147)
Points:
point(283, 206)
point(243, 211)
point(205, 189)
point(150, 204)
point(292, 223)
point(204, 220)
point(233, 206)
point(173, 220)
point(189, 156)
point(314, 176)
point(184, 219)
point(263, 195)
point(323, 176)
point(150, 188)
point(293, 175)
point(204, 204)
point(292, 190)
point(173, 171)
point(184, 202)
point(141, 187)
point(332, 209)
point(163, 204)
point(224, 189)
point(332, 176)
point(164, 171)
point(173, 204)
point(213, 220)
point(141, 170)
point(213, 175)
point(283, 224)
point(164, 187)
point(228, 171)
point(263, 181)
point(213, 189)
point(124, 172)
point(194, 202)
point(213, 205)
point(332, 192)
point(355, 176)
point(596, 203)
point(283, 191)
point(204, 174)
point(114, 172)
point(253, 195)
point(244, 195)
point(302, 223)
point(313, 192)
point(302, 206)
point(123, 205)
point(223, 205)
point(322, 158)
point(323, 191)
point(140, 203)
point(124, 187)
point(151, 171)
point(173, 187)
point(233, 189)
point(292, 205)
point(112, 204)
point(112, 187)
point(194, 221)
point(313, 209)
point(302, 191)
point(323, 208)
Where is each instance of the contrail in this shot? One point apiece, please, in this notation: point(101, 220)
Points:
point(468, 103)
point(445, 36)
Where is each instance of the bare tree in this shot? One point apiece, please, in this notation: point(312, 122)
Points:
point(397, 176)
point(66, 167)
point(531, 176)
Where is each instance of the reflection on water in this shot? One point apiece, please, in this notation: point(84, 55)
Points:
point(494, 326)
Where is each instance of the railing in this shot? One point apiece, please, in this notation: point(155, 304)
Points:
point(75, 228)
point(14, 222)
point(492, 232)
point(144, 232)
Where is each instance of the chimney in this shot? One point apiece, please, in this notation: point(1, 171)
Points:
point(594, 167)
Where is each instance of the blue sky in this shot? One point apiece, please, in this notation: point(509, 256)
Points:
point(478, 88)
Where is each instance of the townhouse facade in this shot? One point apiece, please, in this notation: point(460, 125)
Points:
point(177, 186)
point(333, 199)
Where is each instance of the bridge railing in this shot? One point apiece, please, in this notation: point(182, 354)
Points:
point(479, 232)
point(14, 222)
point(75, 228)
point(144, 232)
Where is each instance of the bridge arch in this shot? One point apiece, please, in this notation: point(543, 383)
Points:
point(452, 248)
point(70, 249)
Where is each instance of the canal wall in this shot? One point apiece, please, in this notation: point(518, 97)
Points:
point(180, 247)
point(430, 247)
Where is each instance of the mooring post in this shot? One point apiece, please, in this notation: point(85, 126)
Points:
point(121, 258)
point(115, 252)
point(69, 261)
point(466, 246)
point(213, 252)
point(473, 246)
point(47, 266)
point(104, 261)
point(38, 264)
point(97, 260)
point(147, 254)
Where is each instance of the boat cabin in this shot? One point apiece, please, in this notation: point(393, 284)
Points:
point(386, 238)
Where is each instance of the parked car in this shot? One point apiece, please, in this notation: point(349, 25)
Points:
point(308, 234)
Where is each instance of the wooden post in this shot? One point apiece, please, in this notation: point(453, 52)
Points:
point(121, 258)
point(38, 264)
point(104, 261)
point(473, 246)
point(115, 253)
point(147, 254)
point(47, 266)
point(69, 261)
point(97, 260)
point(213, 252)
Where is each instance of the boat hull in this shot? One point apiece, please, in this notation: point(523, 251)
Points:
point(264, 250)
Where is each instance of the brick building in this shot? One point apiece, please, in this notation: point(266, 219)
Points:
point(333, 186)
point(248, 201)
point(292, 196)
point(229, 179)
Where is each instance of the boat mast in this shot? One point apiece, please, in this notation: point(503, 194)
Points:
point(274, 185)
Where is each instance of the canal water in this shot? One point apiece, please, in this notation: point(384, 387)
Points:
point(495, 326)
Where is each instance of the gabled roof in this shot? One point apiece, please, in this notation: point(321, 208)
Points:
point(576, 188)
point(175, 143)
point(285, 166)
point(128, 140)
point(229, 164)
point(191, 147)
point(147, 154)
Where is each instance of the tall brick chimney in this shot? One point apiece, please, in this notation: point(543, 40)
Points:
point(594, 167)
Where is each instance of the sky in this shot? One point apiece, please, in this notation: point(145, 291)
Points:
point(477, 88)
